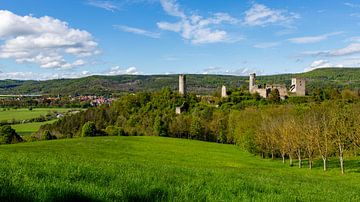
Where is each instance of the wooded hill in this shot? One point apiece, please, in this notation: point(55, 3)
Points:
point(199, 84)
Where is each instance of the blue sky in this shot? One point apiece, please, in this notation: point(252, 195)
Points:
point(43, 39)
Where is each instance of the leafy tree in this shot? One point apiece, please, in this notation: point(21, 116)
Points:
point(274, 96)
point(88, 129)
point(196, 128)
point(159, 127)
point(342, 127)
point(114, 131)
point(8, 135)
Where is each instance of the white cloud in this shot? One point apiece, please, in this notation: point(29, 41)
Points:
point(353, 39)
point(346, 62)
point(172, 8)
point(107, 5)
point(62, 74)
point(357, 15)
point(260, 15)
point(195, 28)
point(313, 39)
point(42, 76)
point(351, 49)
point(237, 72)
point(319, 64)
point(45, 41)
point(117, 70)
point(351, 5)
point(348, 50)
point(137, 31)
point(266, 45)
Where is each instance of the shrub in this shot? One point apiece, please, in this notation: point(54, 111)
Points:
point(114, 131)
point(46, 135)
point(8, 135)
point(88, 129)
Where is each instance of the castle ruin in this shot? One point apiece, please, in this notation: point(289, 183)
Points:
point(297, 87)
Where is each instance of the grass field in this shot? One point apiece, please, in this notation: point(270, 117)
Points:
point(29, 128)
point(25, 113)
point(161, 169)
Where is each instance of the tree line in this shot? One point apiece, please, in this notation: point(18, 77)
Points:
point(316, 131)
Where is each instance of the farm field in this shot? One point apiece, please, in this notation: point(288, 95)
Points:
point(25, 113)
point(162, 169)
point(29, 128)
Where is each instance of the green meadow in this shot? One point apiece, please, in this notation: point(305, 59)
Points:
point(162, 169)
point(25, 113)
point(29, 128)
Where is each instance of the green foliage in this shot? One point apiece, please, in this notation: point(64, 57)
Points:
point(47, 135)
point(159, 127)
point(8, 135)
point(274, 96)
point(196, 128)
point(114, 131)
point(88, 129)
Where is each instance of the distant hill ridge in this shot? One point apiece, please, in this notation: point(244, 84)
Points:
point(197, 83)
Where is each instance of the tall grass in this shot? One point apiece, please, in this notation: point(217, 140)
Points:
point(160, 169)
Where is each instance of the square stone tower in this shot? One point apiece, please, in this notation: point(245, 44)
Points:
point(298, 86)
point(182, 84)
point(252, 82)
point(223, 92)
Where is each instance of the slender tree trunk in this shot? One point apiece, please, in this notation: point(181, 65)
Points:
point(342, 164)
point(272, 155)
point(299, 157)
point(310, 162)
point(283, 158)
point(291, 160)
point(324, 162)
point(341, 158)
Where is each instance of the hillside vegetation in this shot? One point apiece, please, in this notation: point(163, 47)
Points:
point(159, 169)
point(308, 128)
point(199, 84)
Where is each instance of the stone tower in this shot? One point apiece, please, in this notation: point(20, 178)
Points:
point(252, 82)
point(298, 86)
point(223, 91)
point(182, 84)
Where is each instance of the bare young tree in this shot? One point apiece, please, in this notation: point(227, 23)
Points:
point(342, 126)
point(288, 137)
point(322, 136)
point(297, 138)
point(310, 130)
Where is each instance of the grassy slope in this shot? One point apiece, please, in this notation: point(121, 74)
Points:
point(24, 113)
point(29, 128)
point(144, 168)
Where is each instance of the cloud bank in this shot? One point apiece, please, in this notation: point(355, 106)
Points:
point(261, 15)
point(45, 41)
point(196, 28)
